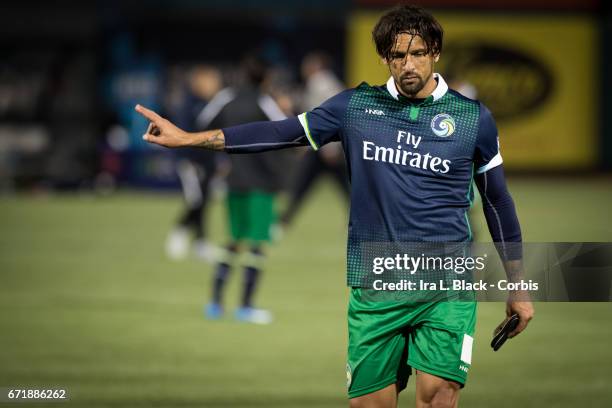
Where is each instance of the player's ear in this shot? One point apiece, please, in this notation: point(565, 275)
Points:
point(384, 61)
point(436, 57)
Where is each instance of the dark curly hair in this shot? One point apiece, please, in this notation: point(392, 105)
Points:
point(411, 20)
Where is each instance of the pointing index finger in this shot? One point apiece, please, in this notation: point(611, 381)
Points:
point(147, 113)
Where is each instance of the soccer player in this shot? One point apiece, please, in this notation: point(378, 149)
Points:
point(413, 147)
point(196, 169)
point(252, 183)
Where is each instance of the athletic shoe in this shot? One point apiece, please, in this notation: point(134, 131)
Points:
point(213, 311)
point(253, 315)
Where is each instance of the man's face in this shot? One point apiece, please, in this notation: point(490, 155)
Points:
point(411, 66)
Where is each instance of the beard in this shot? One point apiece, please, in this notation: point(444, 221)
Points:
point(411, 85)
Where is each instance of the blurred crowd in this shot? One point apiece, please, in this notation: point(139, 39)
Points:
point(68, 132)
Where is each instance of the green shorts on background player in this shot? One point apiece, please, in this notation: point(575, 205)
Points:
point(251, 215)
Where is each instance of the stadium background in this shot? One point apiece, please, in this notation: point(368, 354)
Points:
point(90, 303)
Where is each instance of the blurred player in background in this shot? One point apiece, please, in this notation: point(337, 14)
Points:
point(320, 84)
point(413, 147)
point(252, 183)
point(195, 170)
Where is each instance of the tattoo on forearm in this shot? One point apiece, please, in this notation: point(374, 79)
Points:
point(213, 140)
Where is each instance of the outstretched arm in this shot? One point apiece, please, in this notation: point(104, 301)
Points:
point(316, 127)
point(505, 230)
point(164, 133)
point(248, 138)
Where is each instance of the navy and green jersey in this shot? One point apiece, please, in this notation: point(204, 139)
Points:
point(411, 163)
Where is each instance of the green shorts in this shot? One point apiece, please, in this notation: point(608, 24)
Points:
point(251, 215)
point(387, 338)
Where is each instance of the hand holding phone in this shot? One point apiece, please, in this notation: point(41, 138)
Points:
point(500, 335)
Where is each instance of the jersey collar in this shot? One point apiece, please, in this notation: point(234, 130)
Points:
point(438, 93)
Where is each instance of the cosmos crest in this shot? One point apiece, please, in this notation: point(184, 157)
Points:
point(443, 125)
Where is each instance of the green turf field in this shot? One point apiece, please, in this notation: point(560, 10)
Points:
point(89, 303)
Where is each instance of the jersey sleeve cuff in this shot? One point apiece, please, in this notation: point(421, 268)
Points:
point(304, 122)
point(494, 162)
